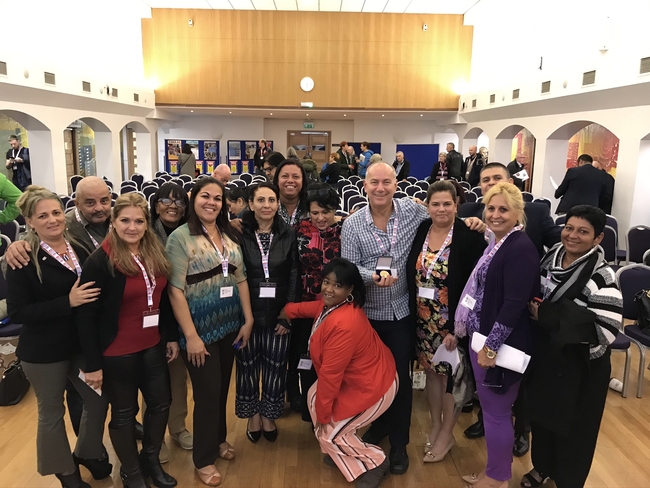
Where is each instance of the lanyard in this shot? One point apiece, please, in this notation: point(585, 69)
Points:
point(57, 256)
point(547, 286)
point(15, 154)
point(393, 240)
point(438, 254)
point(292, 219)
point(151, 285)
point(265, 256)
point(224, 259)
point(319, 320)
point(500, 243)
point(76, 214)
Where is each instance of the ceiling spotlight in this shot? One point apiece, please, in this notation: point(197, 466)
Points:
point(421, 115)
point(229, 112)
point(192, 111)
point(307, 115)
point(382, 115)
point(345, 115)
point(271, 113)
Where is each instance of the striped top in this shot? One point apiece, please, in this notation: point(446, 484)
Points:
point(600, 295)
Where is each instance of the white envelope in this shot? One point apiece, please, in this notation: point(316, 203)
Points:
point(508, 357)
point(451, 357)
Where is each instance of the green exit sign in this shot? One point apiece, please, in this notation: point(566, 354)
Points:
point(308, 125)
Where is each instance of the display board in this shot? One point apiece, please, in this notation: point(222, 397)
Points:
point(241, 155)
point(206, 153)
point(421, 156)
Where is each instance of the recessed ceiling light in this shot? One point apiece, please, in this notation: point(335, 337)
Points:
point(229, 112)
point(421, 115)
point(382, 115)
point(345, 115)
point(307, 115)
point(271, 113)
point(192, 111)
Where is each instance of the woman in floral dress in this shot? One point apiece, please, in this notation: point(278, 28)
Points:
point(441, 260)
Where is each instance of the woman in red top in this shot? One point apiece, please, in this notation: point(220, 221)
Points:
point(128, 335)
point(357, 379)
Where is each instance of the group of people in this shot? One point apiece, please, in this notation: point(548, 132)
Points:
point(330, 311)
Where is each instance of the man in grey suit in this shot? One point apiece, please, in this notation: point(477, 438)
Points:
point(583, 185)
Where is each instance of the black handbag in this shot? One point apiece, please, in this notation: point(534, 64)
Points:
point(642, 300)
point(14, 384)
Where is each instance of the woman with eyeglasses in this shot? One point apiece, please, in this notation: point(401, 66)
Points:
point(128, 336)
point(270, 255)
point(169, 210)
point(211, 302)
point(319, 241)
point(271, 162)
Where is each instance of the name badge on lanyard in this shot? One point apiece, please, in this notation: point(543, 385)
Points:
point(428, 293)
point(224, 258)
point(150, 318)
point(267, 289)
point(226, 291)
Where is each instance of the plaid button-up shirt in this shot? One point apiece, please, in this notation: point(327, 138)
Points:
point(359, 245)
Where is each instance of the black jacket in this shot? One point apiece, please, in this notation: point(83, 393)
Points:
point(475, 174)
point(584, 185)
point(404, 172)
point(606, 199)
point(467, 247)
point(48, 334)
point(343, 162)
point(283, 271)
point(454, 164)
point(515, 167)
point(97, 322)
point(539, 225)
point(332, 171)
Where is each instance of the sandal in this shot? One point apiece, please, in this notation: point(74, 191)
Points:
point(227, 452)
point(529, 480)
point(208, 478)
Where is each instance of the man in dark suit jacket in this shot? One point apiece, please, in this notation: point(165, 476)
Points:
point(454, 162)
point(471, 169)
point(539, 225)
point(514, 167)
point(583, 185)
point(605, 201)
point(402, 166)
point(344, 160)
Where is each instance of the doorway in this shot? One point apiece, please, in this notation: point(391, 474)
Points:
point(311, 144)
point(70, 147)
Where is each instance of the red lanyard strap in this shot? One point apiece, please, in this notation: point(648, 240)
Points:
point(265, 256)
point(393, 240)
point(438, 254)
point(57, 256)
point(150, 283)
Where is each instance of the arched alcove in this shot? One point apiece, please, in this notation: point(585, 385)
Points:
point(641, 197)
point(516, 142)
point(135, 150)
point(88, 147)
point(34, 135)
point(476, 137)
point(561, 153)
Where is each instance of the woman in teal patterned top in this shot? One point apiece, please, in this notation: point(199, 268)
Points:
point(211, 301)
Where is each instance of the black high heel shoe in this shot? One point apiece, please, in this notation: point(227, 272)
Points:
point(270, 435)
point(99, 468)
point(151, 468)
point(72, 480)
point(133, 479)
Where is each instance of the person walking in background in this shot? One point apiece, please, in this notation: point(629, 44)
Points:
point(357, 380)
point(128, 336)
point(606, 199)
point(494, 303)
point(440, 262)
point(454, 162)
point(364, 159)
point(583, 185)
point(259, 157)
point(472, 167)
point(19, 163)
point(207, 262)
point(270, 254)
point(519, 172)
point(353, 161)
point(43, 296)
point(344, 160)
point(186, 161)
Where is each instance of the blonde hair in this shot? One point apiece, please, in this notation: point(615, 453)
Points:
point(292, 153)
point(511, 195)
point(26, 203)
point(375, 158)
point(152, 253)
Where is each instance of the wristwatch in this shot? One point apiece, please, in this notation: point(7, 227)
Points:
point(489, 352)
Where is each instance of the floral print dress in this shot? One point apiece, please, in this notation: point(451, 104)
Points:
point(432, 314)
point(316, 248)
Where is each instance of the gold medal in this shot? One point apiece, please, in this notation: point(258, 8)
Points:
point(384, 274)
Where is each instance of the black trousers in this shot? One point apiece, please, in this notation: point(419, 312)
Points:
point(300, 331)
point(396, 421)
point(123, 376)
point(210, 385)
point(567, 459)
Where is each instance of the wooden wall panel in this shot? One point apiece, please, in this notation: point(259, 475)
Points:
point(257, 58)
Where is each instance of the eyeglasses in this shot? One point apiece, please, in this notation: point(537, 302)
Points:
point(168, 201)
point(267, 169)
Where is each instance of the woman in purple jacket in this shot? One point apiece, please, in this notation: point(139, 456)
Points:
point(494, 304)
